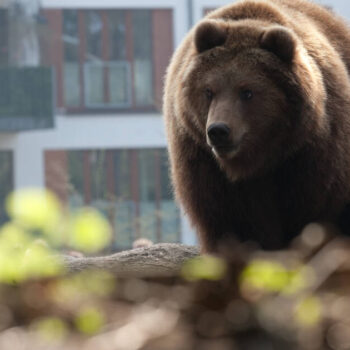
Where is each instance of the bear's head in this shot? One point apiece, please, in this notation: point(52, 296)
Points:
point(251, 94)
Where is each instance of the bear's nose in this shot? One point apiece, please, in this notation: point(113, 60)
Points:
point(218, 134)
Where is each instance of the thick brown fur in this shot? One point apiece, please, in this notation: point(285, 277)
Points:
point(292, 165)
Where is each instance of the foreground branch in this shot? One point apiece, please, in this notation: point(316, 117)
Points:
point(159, 260)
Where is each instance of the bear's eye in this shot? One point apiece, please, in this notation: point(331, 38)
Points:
point(246, 95)
point(209, 93)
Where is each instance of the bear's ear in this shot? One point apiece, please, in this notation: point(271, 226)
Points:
point(209, 35)
point(280, 41)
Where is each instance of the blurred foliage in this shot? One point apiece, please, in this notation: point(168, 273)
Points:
point(50, 329)
point(89, 320)
point(34, 209)
point(308, 311)
point(272, 276)
point(38, 225)
point(268, 275)
point(82, 286)
point(296, 299)
point(90, 231)
point(204, 267)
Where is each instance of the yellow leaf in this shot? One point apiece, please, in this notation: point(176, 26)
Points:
point(205, 267)
point(11, 266)
point(84, 284)
point(266, 275)
point(271, 276)
point(298, 280)
point(308, 312)
point(39, 261)
point(22, 258)
point(34, 208)
point(90, 231)
point(90, 320)
point(51, 329)
point(14, 237)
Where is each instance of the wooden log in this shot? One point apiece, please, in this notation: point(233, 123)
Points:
point(159, 260)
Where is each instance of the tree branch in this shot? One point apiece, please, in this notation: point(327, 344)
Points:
point(159, 260)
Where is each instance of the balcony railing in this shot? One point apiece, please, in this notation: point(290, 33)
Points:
point(26, 98)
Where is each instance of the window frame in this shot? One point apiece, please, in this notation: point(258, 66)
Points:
point(134, 197)
point(106, 66)
point(130, 106)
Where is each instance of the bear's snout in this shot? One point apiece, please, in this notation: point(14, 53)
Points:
point(219, 134)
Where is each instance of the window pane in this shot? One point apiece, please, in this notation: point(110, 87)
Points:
point(147, 194)
point(119, 80)
point(71, 58)
point(6, 181)
point(98, 174)
point(124, 224)
point(93, 23)
point(94, 84)
point(4, 33)
point(95, 181)
point(147, 175)
point(71, 84)
point(124, 206)
point(143, 82)
point(126, 187)
point(76, 178)
point(70, 36)
point(170, 216)
point(117, 33)
point(119, 68)
point(122, 174)
point(170, 221)
point(166, 187)
point(93, 71)
point(142, 46)
point(141, 23)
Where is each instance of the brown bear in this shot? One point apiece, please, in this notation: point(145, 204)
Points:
point(257, 109)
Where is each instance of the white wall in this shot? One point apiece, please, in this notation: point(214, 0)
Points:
point(79, 132)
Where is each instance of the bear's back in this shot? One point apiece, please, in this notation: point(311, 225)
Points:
point(307, 19)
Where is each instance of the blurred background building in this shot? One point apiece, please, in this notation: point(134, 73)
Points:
point(80, 106)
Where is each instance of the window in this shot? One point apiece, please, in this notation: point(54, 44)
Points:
point(71, 58)
point(142, 47)
point(108, 59)
point(6, 182)
point(130, 187)
point(4, 36)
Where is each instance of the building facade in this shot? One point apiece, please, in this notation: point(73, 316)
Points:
point(81, 112)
